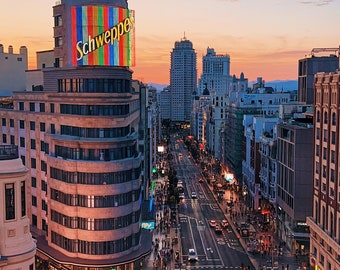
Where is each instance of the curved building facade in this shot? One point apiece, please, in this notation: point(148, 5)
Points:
point(78, 136)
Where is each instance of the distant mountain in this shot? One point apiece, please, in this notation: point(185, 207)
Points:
point(285, 85)
point(288, 85)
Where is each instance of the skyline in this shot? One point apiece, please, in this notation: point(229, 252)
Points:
point(261, 39)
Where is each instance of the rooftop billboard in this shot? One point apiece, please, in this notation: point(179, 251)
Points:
point(103, 35)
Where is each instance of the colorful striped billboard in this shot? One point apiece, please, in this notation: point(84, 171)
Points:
point(103, 35)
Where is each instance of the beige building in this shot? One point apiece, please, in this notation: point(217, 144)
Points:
point(17, 247)
point(78, 135)
point(325, 222)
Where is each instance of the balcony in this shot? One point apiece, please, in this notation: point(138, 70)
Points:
point(8, 152)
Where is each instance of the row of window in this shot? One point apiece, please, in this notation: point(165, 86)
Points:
point(96, 154)
point(325, 117)
point(91, 201)
point(95, 132)
point(93, 85)
point(94, 224)
point(96, 248)
point(22, 124)
point(95, 178)
point(102, 110)
point(32, 108)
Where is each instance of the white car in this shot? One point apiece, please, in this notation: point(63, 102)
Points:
point(192, 255)
point(193, 195)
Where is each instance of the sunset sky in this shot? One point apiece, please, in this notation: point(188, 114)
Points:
point(264, 38)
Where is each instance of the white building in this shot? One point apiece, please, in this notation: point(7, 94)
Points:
point(254, 128)
point(216, 77)
point(201, 117)
point(12, 70)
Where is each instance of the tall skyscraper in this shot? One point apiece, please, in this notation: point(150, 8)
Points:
point(17, 247)
point(325, 222)
point(78, 136)
point(183, 80)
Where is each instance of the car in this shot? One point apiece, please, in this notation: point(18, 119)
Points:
point(193, 195)
point(218, 229)
point(224, 224)
point(212, 223)
point(181, 195)
point(192, 255)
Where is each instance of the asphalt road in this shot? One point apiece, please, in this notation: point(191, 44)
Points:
point(214, 251)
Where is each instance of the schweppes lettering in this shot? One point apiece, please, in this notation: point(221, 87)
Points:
point(109, 36)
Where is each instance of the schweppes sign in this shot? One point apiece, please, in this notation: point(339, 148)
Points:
point(103, 35)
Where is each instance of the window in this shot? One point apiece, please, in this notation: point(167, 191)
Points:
point(33, 163)
point(52, 107)
point(325, 119)
point(23, 199)
point(333, 137)
point(43, 166)
point(33, 146)
point(10, 201)
point(32, 107)
point(22, 142)
point(42, 107)
point(21, 106)
point(32, 125)
point(34, 201)
point(22, 124)
point(4, 138)
point(332, 156)
point(58, 20)
point(42, 127)
point(53, 128)
point(43, 185)
point(58, 41)
point(333, 119)
point(34, 220)
point(11, 122)
point(12, 139)
point(34, 182)
point(43, 205)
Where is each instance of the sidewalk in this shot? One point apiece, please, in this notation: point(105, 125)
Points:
point(263, 248)
point(166, 237)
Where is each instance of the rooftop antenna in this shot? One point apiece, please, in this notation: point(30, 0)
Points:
point(184, 38)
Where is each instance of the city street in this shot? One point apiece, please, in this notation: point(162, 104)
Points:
point(234, 248)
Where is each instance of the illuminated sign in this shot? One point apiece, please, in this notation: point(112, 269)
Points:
point(103, 35)
point(148, 225)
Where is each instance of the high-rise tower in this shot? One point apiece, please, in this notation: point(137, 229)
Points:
point(183, 80)
point(216, 77)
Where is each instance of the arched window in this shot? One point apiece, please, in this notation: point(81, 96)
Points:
point(318, 116)
point(325, 119)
